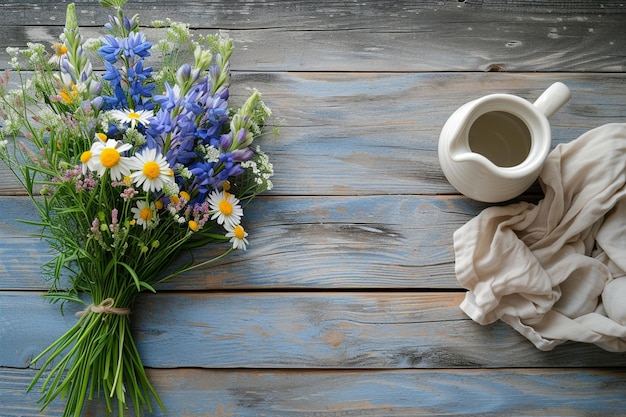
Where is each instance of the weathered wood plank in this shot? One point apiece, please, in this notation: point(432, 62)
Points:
point(376, 35)
point(275, 393)
point(294, 14)
point(299, 330)
point(364, 134)
point(296, 242)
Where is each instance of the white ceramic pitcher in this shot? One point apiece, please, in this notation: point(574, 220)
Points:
point(493, 148)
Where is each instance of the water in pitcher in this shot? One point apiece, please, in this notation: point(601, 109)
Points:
point(501, 137)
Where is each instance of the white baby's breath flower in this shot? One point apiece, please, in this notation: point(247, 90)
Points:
point(170, 188)
point(92, 44)
point(185, 173)
point(211, 153)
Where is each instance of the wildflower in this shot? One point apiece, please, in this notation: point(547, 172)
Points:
point(128, 193)
point(193, 226)
point(87, 183)
point(132, 117)
point(88, 163)
point(60, 50)
point(135, 45)
point(152, 170)
point(70, 95)
point(109, 156)
point(237, 237)
point(144, 214)
point(225, 208)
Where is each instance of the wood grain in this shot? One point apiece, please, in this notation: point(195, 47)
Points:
point(374, 35)
point(296, 242)
point(346, 302)
point(369, 134)
point(334, 393)
point(294, 330)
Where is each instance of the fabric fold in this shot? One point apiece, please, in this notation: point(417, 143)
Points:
point(543, 268)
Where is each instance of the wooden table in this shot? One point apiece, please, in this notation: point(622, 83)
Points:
point(346, 302)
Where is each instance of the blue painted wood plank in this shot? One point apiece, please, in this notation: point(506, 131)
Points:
point(348, 330)
point(376, 134)
point(333, 393)
point(296, 242)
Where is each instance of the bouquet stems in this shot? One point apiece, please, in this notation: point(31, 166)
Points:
point(96, 356)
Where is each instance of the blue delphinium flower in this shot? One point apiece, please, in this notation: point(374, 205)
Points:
point(130, 48)
point(136, 78)
point(111, 48)
point(139, 88)
point(136, 46)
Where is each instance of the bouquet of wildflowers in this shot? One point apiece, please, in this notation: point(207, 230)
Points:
point(128, 169)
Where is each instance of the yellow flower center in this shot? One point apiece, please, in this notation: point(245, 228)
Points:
point(158, 204)
point(85, 157)
point(185, 195)
point(110, 157)
point(151, 170)
point(59, 49)
point(225, 207)
point(133, 115)
point(145, 214)
point(127, 180)
point(101, 136)
point(239, 232)
point(193, 225)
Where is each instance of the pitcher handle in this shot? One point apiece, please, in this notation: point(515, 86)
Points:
point(553, 99)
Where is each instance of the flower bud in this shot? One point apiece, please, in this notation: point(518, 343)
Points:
point(183, 74)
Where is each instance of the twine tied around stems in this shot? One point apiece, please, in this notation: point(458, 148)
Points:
point(105, 307)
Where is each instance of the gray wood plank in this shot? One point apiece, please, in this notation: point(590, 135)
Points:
point(333, 393)
point(332, 330)
point(373, 35)
point(294, 14)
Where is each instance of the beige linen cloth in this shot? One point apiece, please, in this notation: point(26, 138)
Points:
point(555, 270)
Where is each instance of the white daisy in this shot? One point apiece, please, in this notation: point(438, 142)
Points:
point(144, 214)
point(108, 155)
point(60, 51)
point(133, 117)
point(225, 208)
point(152, 170)
point(88, 162)
point(237, 237)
